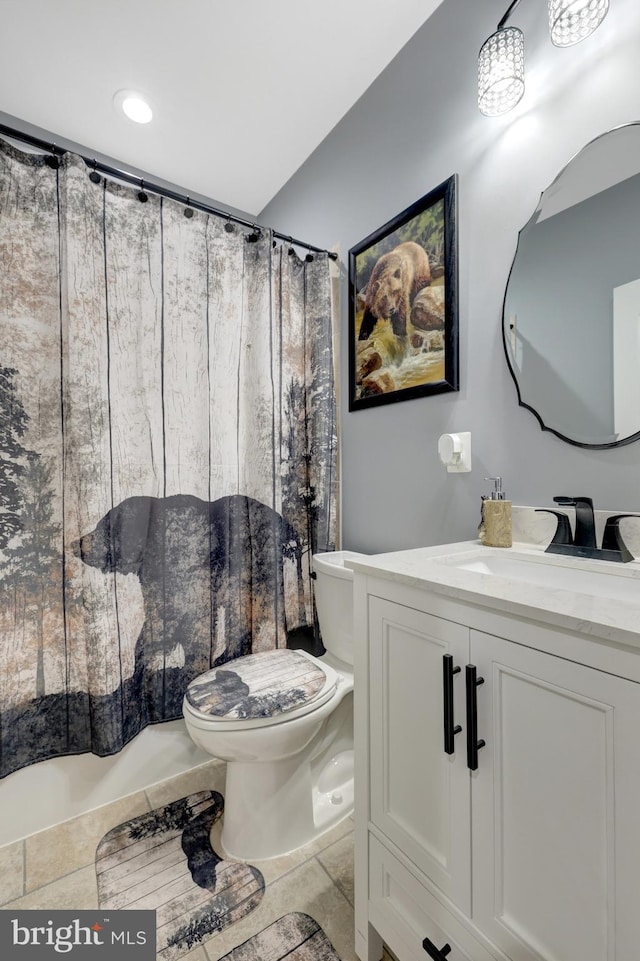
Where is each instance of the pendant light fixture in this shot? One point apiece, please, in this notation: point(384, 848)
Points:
point(571, 21)
point(501, 57)
point(501, 71)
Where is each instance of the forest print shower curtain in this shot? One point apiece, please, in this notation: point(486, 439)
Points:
point(167, 453)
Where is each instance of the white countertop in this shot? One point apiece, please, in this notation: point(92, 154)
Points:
point(600, 615)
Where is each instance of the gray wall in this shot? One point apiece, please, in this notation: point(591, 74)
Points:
point(413, 128)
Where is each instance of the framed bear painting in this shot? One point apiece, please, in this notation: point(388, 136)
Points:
point(403, 304)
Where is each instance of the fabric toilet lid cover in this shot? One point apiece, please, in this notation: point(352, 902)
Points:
point(257, 685)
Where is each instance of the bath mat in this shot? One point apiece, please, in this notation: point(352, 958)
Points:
point(296, 937)
point(164, 861)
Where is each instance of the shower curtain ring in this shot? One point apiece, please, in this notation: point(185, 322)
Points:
point(142, 196)
point(188, 211)
point(229, 226)
point(52, 160)
point(94, 176)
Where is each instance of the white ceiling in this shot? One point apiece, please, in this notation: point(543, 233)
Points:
point(243, 91)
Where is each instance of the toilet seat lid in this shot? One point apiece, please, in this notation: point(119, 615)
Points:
point(262, 685)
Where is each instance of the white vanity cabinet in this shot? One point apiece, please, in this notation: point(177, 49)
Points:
point(535, 854)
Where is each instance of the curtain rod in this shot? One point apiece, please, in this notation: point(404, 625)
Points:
point(132, 178)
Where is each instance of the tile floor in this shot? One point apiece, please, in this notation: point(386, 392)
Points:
point(55, 869)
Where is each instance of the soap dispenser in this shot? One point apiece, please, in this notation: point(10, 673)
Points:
point(495, 527)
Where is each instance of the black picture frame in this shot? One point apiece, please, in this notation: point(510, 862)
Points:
point(403, 304)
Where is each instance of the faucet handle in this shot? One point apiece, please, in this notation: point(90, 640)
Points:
point(612, 538)
point(563, 534)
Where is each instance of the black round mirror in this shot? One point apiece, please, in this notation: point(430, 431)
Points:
point(571, 317)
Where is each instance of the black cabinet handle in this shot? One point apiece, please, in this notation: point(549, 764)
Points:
point(448, 670)
point(438, 954)
point(473, 744)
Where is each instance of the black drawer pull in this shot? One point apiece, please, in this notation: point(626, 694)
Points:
point(448, 670)
point(473, 744)
point(438, 954)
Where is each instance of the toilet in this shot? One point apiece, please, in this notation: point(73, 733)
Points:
point(283, 722)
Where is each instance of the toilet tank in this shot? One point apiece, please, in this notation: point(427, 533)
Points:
point(333, 589)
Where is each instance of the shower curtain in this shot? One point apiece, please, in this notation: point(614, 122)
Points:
point(167, 452)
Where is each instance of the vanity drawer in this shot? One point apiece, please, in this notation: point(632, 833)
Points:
point(404, 913)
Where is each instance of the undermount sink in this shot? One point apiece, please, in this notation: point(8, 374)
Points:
point(544, 571)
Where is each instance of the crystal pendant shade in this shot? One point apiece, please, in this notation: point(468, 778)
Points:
point(570, 21)
point(501, 71)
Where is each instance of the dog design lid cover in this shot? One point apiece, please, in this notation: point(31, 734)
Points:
point(257, 685)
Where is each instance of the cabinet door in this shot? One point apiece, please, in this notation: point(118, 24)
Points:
point(556, 836)
point(419, 794)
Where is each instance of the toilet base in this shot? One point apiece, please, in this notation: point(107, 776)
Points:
point(273, 808)
point(278, 828)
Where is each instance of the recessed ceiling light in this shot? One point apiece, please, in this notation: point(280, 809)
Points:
point(133, 106)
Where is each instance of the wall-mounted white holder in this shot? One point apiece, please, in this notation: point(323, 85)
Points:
point(454, 451)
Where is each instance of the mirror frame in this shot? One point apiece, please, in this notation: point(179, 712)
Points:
point(522, 403)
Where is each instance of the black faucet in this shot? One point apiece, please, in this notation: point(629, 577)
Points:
point(583, 543)
point(585, 535)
